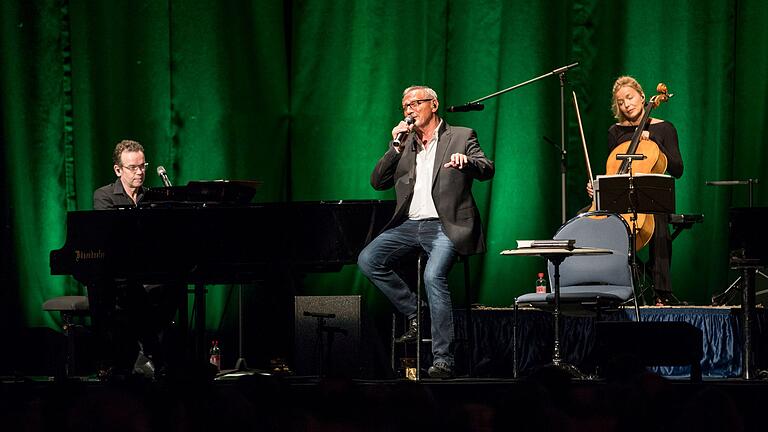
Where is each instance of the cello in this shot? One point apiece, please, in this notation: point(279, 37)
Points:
point(655, 162)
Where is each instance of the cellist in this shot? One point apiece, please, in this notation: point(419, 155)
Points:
point(628, 106)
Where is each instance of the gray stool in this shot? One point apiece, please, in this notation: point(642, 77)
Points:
point(69, 307)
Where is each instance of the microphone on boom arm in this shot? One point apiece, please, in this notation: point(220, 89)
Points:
point(466, 107)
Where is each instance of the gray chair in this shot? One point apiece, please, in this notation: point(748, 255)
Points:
point(70, 307)
point(588, 284)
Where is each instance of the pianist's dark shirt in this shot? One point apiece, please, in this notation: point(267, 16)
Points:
point(113, 196)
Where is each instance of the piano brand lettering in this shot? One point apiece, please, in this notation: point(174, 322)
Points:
point(89, 255)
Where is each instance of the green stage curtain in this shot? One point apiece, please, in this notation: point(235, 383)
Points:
point(302, 96)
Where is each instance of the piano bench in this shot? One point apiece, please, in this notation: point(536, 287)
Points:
point(69, 307)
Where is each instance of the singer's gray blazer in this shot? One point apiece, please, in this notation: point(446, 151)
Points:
point(451, 187)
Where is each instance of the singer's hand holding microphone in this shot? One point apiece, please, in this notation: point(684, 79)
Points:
point(401, 131)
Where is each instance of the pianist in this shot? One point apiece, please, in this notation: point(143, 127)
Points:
point(130, 317)
point(131, 169)
point(432, 166)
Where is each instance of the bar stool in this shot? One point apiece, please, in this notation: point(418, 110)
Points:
point(70, 307)
point(468, 335)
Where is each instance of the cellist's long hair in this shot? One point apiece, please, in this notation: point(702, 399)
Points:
point(623, 81)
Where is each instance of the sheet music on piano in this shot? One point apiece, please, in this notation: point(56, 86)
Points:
point(203, 193)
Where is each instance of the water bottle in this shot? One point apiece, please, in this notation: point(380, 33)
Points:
point(541, 284)
point(215, 354)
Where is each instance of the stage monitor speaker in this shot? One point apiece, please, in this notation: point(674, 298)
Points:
point(327, 334)
point(622, 344)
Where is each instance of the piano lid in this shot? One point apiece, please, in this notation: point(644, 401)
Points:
point(228, 192)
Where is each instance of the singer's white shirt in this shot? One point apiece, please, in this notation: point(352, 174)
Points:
point(422, 204)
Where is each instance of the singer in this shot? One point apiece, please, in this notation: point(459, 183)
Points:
point(130, 318)
point(432, 172)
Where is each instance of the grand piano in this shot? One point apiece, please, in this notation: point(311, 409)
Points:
point(216, 244)
point(179, 236)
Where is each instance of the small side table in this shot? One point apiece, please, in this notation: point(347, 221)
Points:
point(556, 256)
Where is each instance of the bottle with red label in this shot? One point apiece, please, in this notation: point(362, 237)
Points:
point(541, 284)
point(215, 354)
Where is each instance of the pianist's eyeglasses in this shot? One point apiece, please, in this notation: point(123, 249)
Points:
point(134, 168)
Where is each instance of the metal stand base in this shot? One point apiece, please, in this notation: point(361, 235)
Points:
point(570, 369)
point(737, 285)
point(241, 366)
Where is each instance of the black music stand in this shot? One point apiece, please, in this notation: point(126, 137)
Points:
point(641, 193)
point(633, 194)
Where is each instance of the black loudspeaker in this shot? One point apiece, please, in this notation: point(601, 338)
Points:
point(327, 335)
point(626, 344)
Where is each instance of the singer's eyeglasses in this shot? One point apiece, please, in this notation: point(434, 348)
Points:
point(415, 104)
point(134, 168)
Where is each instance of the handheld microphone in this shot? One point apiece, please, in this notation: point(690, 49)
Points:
point(398, 142)
point(163, 175)
point(466, 107)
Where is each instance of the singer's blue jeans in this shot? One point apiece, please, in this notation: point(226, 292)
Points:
point(377, 260)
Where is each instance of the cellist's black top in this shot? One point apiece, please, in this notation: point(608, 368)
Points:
point(662, 133)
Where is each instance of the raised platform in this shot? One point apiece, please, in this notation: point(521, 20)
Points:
point(720, 326)
point(542, 399)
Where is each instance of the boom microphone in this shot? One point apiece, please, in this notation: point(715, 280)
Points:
point(164, 176)
point(467, 107)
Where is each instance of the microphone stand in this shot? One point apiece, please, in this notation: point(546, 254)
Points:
point(563, 149)
point(241, 366)
point(560, 72)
